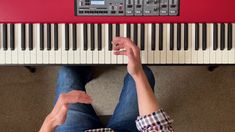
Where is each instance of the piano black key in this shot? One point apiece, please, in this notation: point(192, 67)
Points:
point(128, 30)
point(178, 36)
point(4, 36)
point(12, 36)
point(185, 36)
point(41, 37)
point(136, 34)
point(117, 30)
point(142, 45)
point(222, 37)
point(197, 35)
point(48, 36)
point(67, 37)
point(92, 37)
point(215, 36)
point(74, 37)
point(153, 37)
point(56, 37)
point(204, 36)
point(171, 36)
point(23, 34)
point(110, 36)
point(30, 36)
point(85, 37)
point(161, 36)
point(99, 37)
point(230, 36)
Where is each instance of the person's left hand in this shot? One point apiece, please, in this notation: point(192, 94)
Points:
point(58, 115)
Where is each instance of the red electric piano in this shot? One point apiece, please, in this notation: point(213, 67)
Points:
point(81, 31)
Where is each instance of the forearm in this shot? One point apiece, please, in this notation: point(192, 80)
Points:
point(146, 99)
point(47, 125)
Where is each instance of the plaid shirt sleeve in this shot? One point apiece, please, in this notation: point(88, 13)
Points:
point(156, 122)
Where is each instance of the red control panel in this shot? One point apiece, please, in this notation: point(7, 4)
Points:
point(62, 11)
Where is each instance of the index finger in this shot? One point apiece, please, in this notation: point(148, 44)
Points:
point(126, 43)
point(74, 96)
point(122, 40)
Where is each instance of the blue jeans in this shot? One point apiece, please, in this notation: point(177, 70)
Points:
point(82, 117)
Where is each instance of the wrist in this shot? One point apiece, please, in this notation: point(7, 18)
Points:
point(138, 75)
point(48, 124)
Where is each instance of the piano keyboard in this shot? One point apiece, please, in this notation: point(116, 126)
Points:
point(170, 43)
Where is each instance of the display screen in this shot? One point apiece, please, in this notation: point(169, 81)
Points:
point(97, 2)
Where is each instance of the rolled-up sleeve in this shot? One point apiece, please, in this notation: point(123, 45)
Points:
point(158, 121)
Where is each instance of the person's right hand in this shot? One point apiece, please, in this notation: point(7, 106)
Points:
point(124, 46)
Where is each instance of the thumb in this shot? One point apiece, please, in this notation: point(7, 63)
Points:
point(130, 55)
point(61, 116)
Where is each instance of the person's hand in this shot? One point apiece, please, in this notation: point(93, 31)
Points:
point(58, 115)
point(124, 46)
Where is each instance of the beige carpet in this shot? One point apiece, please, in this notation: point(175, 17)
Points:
point(197, 100)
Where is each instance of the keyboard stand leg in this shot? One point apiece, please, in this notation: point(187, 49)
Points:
point(211, 68)
point(31, 69)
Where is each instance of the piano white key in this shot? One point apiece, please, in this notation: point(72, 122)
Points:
point(8, 51)
point(188, 53)
point(58, 52)
point(38, 41)
point(157, 54)
point(64, 52)
point(45, 52)
point(89, 52)
point(70, 51)
point(81, 41)
point(27, 52)
point(164, 50)
point(148, 48)
point(232, 51)
point(175, 52)
point(182, 52)
point(125, 58)
point(169, 52)
point(194, 52)
point(52, 51)
point(225, 51)
point(102, 51)
point(33, 52)
point(77, 53)
point(132, 32)
point(120, 57)
point(206, 53)
point(144, 53)
point(95, 52)
point(200, 51)
point(211, 41)
point(14, 52)
point(114, 57)
point(107, 52)
point(2, 52)
point(218, 51)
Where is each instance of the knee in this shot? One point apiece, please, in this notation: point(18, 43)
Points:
point(65, 77)
point(149, 74)
point(65, 72)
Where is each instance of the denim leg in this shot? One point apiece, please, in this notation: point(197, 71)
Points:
point(80, 117)
point(126, 111)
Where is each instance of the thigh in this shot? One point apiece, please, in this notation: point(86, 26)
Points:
point(77, 121)
point(80, 116)
point(126, 112)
